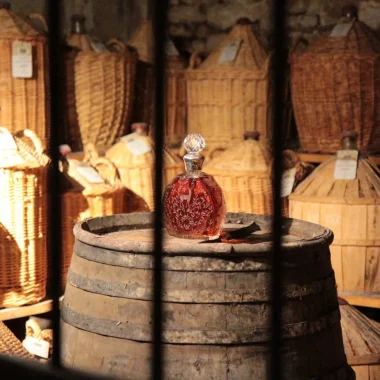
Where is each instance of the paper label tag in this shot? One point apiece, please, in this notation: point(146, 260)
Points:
point(90, 174)
point(230, 51)
point(37, 347)
point(6, 140)
point(22, 60)
point(98, 46)
point(342, 30)
point(170, 49)
point(137, 146)
point(287, 183)
point(346, 164)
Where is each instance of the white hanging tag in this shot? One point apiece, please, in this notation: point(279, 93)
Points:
point(22, 59)
point(98, 46)
point(287, 183)
point(170, 49)
point(230, 51)
point(6, 140)
point(342, 30)
point(346, 164)
point(37, 347)
point(90, 174)
point(137, 146)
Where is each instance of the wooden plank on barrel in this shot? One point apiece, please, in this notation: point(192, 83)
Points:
point(26, 311)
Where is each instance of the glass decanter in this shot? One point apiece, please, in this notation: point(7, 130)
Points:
point(193, 202)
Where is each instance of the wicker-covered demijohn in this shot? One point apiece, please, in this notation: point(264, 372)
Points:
point(351, 209)
point(134, 158)
point(361, 339)
point(24, 96)
point(244, 172)
point(335, 86)
point(103, 91)
point(10, 345)
point(229, 93)
point(23, 218)
point(84, 196)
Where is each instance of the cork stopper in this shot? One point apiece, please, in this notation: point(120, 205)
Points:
point(140, 128)
point(78, 24)
point(349, 139)
point(251, 135)
point(5, 5)
point(243, 21)
point(349, 12)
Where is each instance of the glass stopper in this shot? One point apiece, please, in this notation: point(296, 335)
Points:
point(194, 143)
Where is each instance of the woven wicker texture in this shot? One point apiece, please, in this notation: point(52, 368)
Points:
point(335, 86)
point(104, 90)
point(244, 173)
point(351, 209)
point(82, 199)
point(24, 103)
point(226, 99)
point(10, 345)
point(137, 170)
point(23, 222)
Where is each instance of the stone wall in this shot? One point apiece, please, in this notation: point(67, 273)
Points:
point(202, 24)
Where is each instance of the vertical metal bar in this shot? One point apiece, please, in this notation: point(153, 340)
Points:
point(159, 19)
point(278, 73)
point(54, 210)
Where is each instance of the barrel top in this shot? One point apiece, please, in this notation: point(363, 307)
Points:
point(134, 233)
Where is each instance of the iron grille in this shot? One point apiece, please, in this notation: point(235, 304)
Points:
point(19, 369)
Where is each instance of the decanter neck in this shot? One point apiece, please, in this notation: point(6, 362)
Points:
point(193, 162)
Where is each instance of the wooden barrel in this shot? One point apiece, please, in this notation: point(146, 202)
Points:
point(216, 307)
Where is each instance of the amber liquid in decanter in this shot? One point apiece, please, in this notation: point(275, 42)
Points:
point(194, 202)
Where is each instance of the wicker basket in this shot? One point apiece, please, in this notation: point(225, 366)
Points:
point(226, 99)
point(23, 221)
point(244, 172)
point(24, 102)
point(82, 199)
point(104, 89)
point(10, 345)
point(335, 87)
point(351, 209)
point(136, 167)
